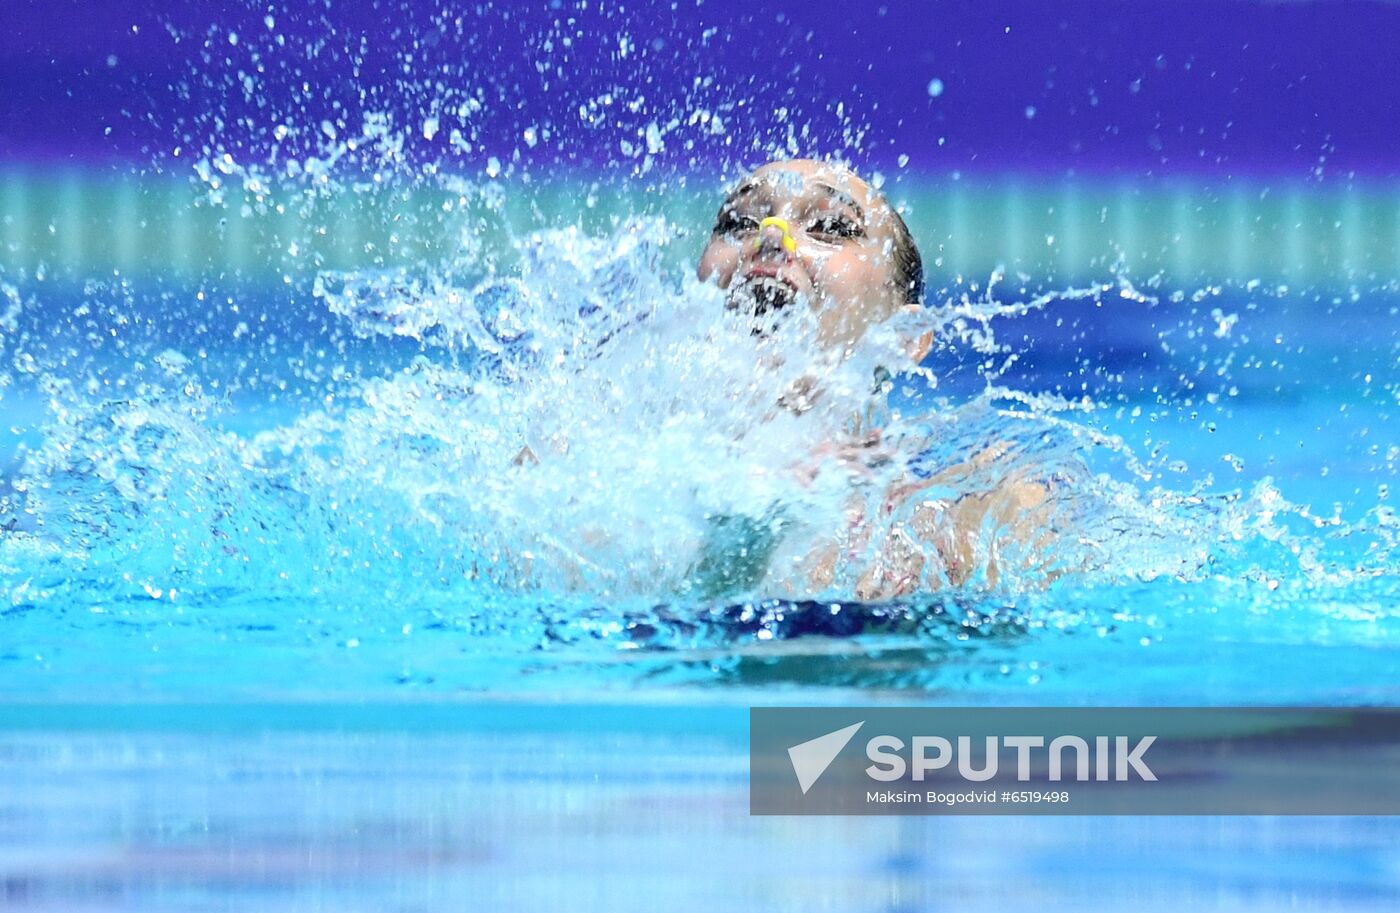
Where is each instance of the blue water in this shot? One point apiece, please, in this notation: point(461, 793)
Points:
point(283, 627)
point(243, 748)
point(301, 729)
point(508, 806)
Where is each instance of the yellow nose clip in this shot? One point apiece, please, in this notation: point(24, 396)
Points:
point(789, 242)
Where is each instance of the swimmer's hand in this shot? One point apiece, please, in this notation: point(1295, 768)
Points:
point(978, 538)
point(860, 457)
point(975, 539)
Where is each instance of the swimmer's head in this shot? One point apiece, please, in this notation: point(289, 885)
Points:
point(805, 230)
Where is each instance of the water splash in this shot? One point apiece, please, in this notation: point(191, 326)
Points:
point(566, 438)
point(596, 430)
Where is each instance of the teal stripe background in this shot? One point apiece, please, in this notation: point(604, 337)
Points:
point(86, 223)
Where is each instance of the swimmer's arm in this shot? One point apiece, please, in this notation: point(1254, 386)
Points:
point(1015, 517)
point(967, 536)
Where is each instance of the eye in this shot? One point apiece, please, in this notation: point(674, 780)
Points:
point(735, 223)
point(835, 226)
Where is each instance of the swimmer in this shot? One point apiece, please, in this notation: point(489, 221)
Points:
point(804, 233)
point(807, 233)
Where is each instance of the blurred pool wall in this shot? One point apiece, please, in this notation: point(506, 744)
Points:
point(67, 221)
point(1056, 142)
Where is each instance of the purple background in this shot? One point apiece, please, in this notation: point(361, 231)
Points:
point(1149, 88)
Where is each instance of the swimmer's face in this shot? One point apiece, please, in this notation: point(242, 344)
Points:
point(842, 262)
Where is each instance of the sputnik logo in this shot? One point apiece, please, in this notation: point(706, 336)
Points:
point(810, 759)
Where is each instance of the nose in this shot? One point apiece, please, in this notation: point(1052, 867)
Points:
point(776, 234)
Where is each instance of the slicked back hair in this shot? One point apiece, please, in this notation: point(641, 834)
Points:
point(908, 265)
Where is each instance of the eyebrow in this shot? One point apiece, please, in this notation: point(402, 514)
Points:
point(745, 188)
point(842, 197)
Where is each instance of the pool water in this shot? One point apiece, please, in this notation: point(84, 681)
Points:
point(231, 747)
point(286, 625)
point(523, 806)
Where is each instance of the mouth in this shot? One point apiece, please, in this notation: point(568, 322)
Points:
point(761, 295)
